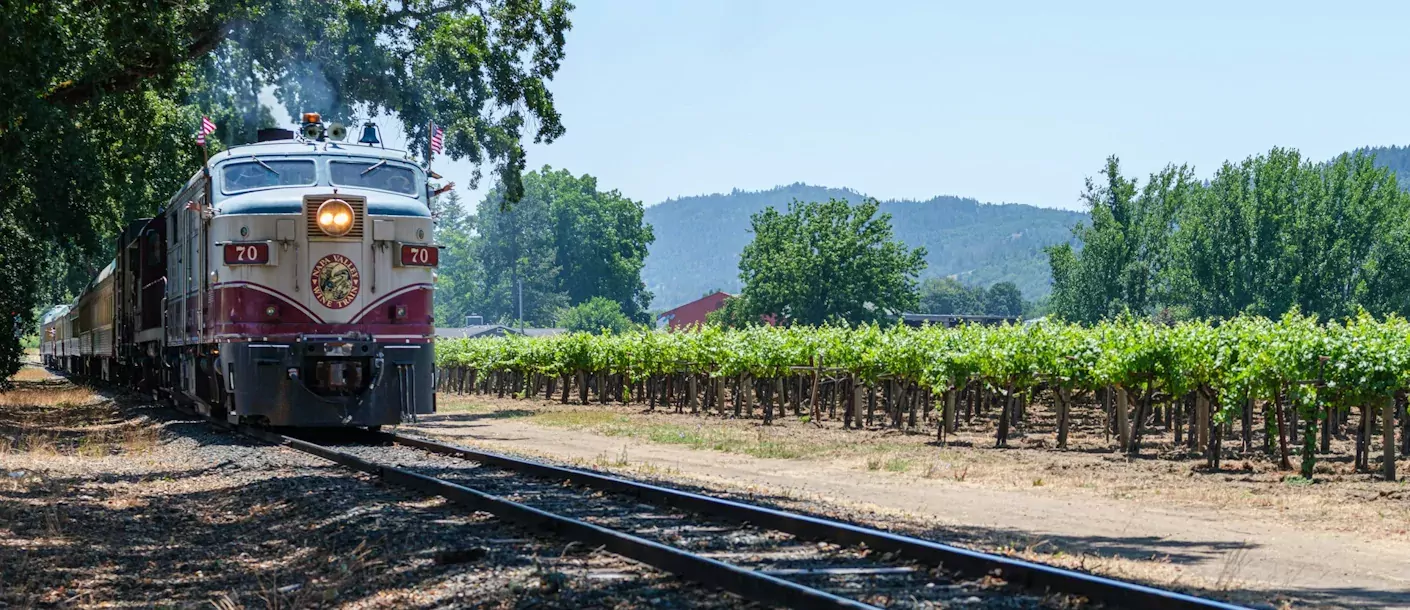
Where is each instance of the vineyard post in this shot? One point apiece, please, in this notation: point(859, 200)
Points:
point(1363, 438)
point(797, 399)
point(1280, 406)
point(1329, 420)
point(1123, 416)
point(694, 393)
point(1179, 407)
point(1107, 409)
point(1215, 433)
point(1388, 437)
point(1199, 433)
point(854, 408)
point(1248, 424)
point(746, 393)
point(1309, 441)
point(951, 396)
point(781, 398)
point(1143, 407)
point(914, 394)
point(1064, 402)
point(1405, 423)
point(814, 409)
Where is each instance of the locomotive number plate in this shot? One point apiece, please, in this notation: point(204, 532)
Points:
point(247, 254)
point(420, 256)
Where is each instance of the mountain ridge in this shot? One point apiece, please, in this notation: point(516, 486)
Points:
point(699, 238)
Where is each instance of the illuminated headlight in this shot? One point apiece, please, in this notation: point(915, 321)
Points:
point(335, 217)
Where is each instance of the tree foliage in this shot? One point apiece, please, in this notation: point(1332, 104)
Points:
point(597, 315)
point(950, 297)
point(827, 262)
point(567, 241)
point(1271, 234)
point(101, 100)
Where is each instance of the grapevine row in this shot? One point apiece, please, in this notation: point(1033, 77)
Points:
point(1293, 369)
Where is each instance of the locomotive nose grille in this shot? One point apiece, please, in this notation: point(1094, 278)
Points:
point(311, 203)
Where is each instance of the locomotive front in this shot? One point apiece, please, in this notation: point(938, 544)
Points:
point(321, 264)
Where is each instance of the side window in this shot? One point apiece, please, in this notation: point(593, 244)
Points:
point(174, 274)
point(190, 239)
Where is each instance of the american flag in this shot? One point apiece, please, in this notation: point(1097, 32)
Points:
point(207, 127)
point(438, 138)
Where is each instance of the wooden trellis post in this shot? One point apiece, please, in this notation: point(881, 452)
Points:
point(1388, 438)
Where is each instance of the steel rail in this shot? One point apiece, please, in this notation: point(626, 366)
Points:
point(1027, 574)
point(749, 584)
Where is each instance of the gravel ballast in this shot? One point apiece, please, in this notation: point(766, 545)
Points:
point(139, 506)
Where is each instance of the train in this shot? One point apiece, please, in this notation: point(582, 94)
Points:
point(289, 283)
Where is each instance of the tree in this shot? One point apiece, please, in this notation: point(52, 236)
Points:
point(460, 277)
point(1003, 299)
point(827, 262)
point(567, 241)
point(516, 252)
point(599, 314)
point(733, 313)
point(1125, 255)
point(1265, 236)
point(101, 99)
point(947, 296)
point(599, 239)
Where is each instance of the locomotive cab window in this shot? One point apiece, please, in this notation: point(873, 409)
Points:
point(267, 173)
point(379, 175)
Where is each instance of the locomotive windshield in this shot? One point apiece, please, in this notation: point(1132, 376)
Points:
point(258, 174)
point(380, 175)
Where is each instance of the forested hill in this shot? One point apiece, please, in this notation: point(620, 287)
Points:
point(699, 239)
point(1397, 158)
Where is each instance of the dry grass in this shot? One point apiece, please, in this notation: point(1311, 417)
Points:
point(1166, 475)
point(32, 373)
point(45, 419)
point(47, 395)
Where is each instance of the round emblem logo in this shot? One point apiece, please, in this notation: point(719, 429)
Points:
point(335, 281)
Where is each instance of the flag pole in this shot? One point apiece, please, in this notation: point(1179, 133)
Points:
point(430, 133)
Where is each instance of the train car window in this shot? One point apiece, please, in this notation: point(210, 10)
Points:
point(267, 173)
point(379, 175)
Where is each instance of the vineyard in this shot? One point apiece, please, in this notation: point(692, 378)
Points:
point(1300, 379)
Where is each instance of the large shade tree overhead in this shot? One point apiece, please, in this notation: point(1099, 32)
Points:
point(101, 99)
point(827, 262)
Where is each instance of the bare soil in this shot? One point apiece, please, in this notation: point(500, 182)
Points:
point(1249, 533)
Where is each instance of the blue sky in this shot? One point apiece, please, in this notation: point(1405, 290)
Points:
point(1001, 101)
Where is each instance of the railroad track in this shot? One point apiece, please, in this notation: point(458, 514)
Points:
point(758, 553)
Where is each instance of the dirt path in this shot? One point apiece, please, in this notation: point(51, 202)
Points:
point(1205, 548)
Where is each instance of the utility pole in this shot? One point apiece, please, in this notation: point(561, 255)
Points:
point(521, 306)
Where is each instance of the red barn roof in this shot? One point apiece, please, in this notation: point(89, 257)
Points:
point(694, 312)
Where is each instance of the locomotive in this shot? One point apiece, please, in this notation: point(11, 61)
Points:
point(288, 283)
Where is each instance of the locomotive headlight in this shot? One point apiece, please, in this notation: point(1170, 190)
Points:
point(335, 217)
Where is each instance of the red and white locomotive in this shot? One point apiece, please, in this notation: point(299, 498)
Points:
point(289, 283)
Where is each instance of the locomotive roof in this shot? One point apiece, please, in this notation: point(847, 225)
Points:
point(304, 147)
point(54, 313)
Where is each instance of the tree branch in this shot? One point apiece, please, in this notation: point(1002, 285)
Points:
point(130, 77)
